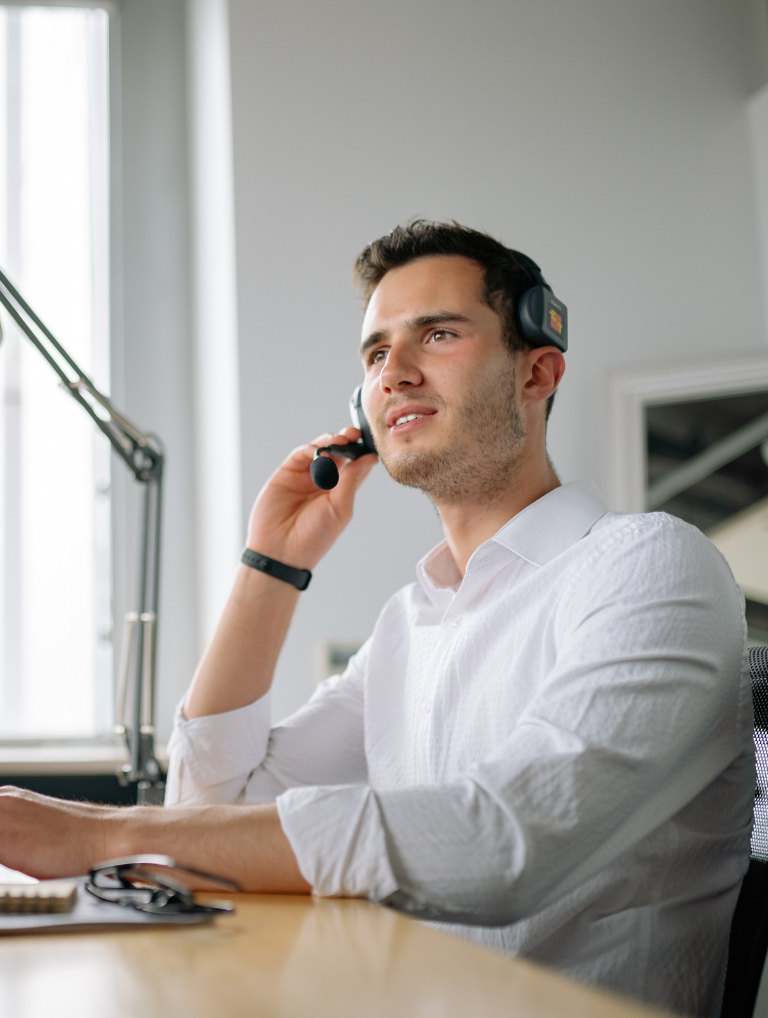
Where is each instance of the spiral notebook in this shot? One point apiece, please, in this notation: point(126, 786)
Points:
point(49, 896)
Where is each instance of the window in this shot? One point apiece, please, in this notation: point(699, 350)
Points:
point(55, 603)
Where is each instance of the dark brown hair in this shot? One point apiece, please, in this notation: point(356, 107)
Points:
point(506, 279)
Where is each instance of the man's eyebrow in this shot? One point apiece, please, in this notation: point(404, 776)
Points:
point(371, 340)
point(413, 325)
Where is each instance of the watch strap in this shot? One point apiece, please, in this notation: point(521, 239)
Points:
point(298, 577)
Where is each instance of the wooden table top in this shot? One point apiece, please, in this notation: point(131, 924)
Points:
point(288, 957)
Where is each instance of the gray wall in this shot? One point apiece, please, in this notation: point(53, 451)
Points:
point(607, 139)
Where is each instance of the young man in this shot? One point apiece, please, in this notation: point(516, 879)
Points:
point(546, 744)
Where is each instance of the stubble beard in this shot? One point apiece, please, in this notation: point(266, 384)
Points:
point(478, 466)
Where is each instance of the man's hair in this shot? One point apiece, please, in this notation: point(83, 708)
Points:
point(506, 279)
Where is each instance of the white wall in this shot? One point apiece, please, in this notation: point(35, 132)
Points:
point(152, 362)
point(607, 139)
point(757, 108)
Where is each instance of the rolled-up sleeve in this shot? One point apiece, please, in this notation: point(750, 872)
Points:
point(236, 756)
point(339, 840)
point(211, 756)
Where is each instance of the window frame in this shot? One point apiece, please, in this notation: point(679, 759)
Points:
point(632, 389)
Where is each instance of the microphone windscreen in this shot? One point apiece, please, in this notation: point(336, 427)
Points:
point(324, 473)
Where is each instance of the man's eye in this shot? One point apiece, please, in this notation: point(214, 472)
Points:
point(378, 356)
point(439, 335)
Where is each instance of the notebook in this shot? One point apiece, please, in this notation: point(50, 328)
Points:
point(45, 897)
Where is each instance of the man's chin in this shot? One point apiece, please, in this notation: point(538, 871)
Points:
point(450, 475)
point(426, 469)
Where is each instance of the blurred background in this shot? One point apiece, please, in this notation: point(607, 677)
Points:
point(189, 232)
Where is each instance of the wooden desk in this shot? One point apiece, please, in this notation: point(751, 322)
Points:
point(287, 957)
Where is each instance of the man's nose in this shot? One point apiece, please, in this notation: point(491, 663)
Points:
point(400, 370)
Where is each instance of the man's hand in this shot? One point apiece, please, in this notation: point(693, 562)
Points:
point(49, 838)
point(295, 522)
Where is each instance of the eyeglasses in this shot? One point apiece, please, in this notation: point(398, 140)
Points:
point(135, 882)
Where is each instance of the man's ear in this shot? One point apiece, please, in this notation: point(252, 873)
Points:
point(541, 369)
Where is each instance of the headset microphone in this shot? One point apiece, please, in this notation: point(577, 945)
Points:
point(323, 470)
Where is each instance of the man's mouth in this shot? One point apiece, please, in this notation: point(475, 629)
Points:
point(398, 418)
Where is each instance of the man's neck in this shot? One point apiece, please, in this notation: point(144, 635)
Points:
point(471, 522)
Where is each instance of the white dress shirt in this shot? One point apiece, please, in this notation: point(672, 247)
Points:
point(551, 756)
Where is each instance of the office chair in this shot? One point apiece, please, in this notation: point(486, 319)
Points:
point(749, 929)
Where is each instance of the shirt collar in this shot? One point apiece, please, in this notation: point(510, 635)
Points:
point(550, 525)
point(538, 533)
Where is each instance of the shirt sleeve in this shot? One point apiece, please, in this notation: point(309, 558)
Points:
point(644, 708)
point(236, 756)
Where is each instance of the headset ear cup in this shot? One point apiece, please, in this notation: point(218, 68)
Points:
point(530, 308)
point(543, 318)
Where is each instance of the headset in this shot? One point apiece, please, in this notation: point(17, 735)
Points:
point(543, 321)
point(543, 318)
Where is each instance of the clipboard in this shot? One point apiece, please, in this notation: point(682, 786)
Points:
point(91, 915)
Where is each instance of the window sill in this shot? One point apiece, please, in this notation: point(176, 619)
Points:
point(66, 758)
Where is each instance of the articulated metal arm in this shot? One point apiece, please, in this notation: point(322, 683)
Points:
point(144, 456)
point(141, 451)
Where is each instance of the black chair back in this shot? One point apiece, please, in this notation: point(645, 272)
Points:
point(749, 929)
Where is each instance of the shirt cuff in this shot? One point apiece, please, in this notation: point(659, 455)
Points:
point(219, 747)
point(338, 839)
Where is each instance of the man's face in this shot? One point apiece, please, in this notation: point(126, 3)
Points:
point(439, 389)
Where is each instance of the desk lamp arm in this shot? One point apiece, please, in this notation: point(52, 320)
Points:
point(144, 456)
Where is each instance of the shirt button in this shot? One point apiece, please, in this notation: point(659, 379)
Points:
point(426, 706)
point(456, 621)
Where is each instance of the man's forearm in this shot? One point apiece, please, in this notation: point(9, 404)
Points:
point(293, 522)
point(243, 843)
point(50, 838)
point(238, 666)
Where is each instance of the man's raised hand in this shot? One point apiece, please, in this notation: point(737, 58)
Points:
point(295, 522)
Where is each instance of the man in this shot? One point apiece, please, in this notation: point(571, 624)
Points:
point(546, 742)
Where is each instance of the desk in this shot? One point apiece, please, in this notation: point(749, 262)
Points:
point(285, 957)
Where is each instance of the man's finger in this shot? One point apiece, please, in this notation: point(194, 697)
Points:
point(343, 437)
point(300, 458)
point(352, 476)
point(323, 439)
